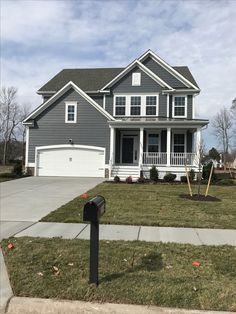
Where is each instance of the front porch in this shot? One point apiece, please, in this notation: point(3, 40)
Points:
point(169, 149)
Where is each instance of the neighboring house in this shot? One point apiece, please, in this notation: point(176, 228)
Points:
point(116, 121)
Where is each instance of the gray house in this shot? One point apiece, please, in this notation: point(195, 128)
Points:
point(116, 121)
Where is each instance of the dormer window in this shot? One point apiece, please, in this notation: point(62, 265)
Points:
point(136, 79)
point(180, 107)
point(71, 112)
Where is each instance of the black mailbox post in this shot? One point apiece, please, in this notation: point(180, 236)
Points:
point(93, 210)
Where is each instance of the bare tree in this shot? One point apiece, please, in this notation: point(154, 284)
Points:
point(201, 152)
point(11, 117)
point(222, 124)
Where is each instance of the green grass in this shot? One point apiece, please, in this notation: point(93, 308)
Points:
point(155, 205)
point(130, 272)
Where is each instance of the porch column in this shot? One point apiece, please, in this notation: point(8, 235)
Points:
point(111, 160)
point(140, 147)
point(168, 150)
point(198, 145)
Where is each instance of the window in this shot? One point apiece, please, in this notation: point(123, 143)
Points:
point(179, 143)
point(135, 105)
point(151, 105)
point(136, 79)
point(71, 112)
point(180, 106)
point(120, 106)
point(153, 143)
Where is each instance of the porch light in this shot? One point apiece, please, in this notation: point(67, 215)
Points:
point(71, 141)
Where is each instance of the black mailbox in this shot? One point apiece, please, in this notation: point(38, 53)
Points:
point(94, 209)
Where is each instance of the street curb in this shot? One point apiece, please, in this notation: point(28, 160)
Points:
point(19, 305)
point(6, 291)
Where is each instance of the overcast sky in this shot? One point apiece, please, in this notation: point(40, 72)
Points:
point(39, 38)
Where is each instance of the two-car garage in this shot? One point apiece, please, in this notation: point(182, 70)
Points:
point(70, 160)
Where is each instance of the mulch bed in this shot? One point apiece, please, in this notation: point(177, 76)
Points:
point(200, 198)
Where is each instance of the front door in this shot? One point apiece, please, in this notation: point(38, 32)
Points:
point(127, 150)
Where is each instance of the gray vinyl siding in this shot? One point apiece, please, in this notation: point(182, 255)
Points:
point(189, 106)
point(98, 99)
point(162, 105)
point(50, 128)
point(148, 85)
point(109, 104)
point(162, 73)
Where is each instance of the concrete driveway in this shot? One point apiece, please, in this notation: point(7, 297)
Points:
point(25, 201)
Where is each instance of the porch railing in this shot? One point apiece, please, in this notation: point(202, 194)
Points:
point(176, 159)
point(181, 159)
point(154, 158)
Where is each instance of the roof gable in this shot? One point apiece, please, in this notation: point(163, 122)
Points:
point(172, 70)
point(62, 91)
point(142, 67)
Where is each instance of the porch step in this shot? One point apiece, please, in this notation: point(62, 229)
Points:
point(125, 171)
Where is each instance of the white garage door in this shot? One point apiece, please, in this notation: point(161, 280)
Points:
point(80, 161)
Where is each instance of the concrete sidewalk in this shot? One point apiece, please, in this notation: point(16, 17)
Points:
point(48, 306)
point(195, 236)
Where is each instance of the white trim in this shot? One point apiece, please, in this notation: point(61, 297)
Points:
point(193, 107)
point(104, 102)
point(26, 146)
point(145, 70)
point(141, 133)
point(168, 146)
point(168, 106)
point(67, 104)
point(185, 107)
point(31, 164)
point(168, 68)
point(61, 92)
point(38, 148)
point(128, 104)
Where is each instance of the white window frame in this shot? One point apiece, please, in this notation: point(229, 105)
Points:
point(74, 104)
point(136, 79)
point(185, 140)
point(159, 137)
point(136, 115)
point(149, 115)
point(173, 106)
point(128, 104)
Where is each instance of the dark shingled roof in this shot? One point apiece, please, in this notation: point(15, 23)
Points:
point(95, 79)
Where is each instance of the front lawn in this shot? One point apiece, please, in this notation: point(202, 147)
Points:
point(130, 272)
point(155, 205)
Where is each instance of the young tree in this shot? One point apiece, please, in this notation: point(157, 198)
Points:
point(11, 117)
point(222, 124)
point(214, 154)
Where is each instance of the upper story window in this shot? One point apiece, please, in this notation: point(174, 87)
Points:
point(179, 143)
point(153, 143)
point(135, 105)
point(136, 79)
point(71, 112)
point(180, 107)
point(151, 105)
point(120, 106)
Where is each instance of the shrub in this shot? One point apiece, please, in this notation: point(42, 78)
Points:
point(169, 177)
point(191, 175)
point(141, 180)
point(116, 179)
point(17, 170)
point(154, 174)
point(129, 180)
point(183, 179)
point(206, 172)
point(226, 182)
point(222, 176)
point(7, 175)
